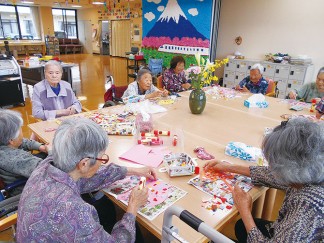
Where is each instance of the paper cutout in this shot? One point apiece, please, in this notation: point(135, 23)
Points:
point(218, 92)
point(148, 156)
point(219, 186)
point(161, 195)
point(115, 124)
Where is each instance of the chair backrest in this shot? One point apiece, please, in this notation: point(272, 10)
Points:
point(134, 49)
point(271, 90)
point(156, 66)
point(159, 82)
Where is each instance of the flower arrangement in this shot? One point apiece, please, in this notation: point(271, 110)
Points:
point(203, 75)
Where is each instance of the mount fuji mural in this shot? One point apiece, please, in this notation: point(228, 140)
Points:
point(176, 27)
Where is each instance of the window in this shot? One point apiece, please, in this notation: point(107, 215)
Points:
point(65, 23)
point(19, 22)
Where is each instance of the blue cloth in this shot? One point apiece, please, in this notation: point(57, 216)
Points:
point(56, 90)
point(259, 87)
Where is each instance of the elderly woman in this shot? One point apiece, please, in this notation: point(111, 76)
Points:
point(320, 109)
point(54, 189)
point(311, 90)
point(143, 87)
point(16, 160)
point(54, 97)
point(295, 152)
point(255, 83)
point(174, 78)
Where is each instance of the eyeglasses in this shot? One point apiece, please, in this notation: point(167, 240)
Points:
point(104, 158)
point(320, 80)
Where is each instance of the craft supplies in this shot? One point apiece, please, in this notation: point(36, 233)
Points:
point(142, 183)
point(219, 186)
point(144, 122)
point(179, 164)
point(312, 109)
point(161, 195)
point(150, 141)
point(161, 133)
point(115, 124)
point(175, 140)
point(202, 154)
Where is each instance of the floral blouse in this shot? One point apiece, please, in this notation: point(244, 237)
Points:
point(301, 215)
point(260, 87)
point(172, 81)
point(52, 210)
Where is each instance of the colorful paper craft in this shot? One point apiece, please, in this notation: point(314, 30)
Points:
point(218, 92)
point(161, 195)
point(115, 124)
point(219, 186)
point(149, 156)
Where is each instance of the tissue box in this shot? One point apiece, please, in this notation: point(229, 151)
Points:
point(179, 164)
point(242, 151)
point(132, 99)
point(256, 100)
point(263, 104)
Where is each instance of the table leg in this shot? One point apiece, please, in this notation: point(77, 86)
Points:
point(269, 202)
point(258, 207)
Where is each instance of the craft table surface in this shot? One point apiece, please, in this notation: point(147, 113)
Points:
point(221, 122)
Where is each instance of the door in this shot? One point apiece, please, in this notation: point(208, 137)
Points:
point(120, 37)
point(84, 29)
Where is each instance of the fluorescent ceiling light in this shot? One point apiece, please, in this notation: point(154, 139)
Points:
point(28, 2)
point(97, 3)
point(76, 6)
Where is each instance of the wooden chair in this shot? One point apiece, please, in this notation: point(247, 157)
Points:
point(159, 82)
point(272, 87)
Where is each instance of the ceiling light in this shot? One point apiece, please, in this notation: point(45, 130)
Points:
point(28, 2)
point(97, 3)
point(76, 6)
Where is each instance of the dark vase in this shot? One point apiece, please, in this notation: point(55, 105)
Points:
point(197, 101)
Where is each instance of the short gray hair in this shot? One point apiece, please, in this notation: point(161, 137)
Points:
point(10, 124)
point(53, 63)
point(295, 152)
point(259, 67)
point(320, 71)
point(141, 72)
point(75, 139)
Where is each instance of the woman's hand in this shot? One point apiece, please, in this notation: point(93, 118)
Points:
point(186, 86)
point(147, 172)
point(245, 89)
point(137, 198)
point(242, 199)
point(164, 92)
point(243, 203)
point(216, 165)
point(44, 148)
point(154, 95)
point(72, 110)
point(292, 95)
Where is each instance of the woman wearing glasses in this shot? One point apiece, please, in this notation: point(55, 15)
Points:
point(51, 208)
point(295, 152)
point(311, 90)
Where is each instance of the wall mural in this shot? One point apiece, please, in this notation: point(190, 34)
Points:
point(176, 27)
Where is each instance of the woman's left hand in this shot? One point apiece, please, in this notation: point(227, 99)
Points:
point(147, 172)
point(242, 199)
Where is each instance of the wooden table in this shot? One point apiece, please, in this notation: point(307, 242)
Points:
point(221, 122)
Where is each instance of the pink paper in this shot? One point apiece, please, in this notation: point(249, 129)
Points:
point(144, 155)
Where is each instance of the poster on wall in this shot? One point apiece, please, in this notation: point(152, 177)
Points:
point(176, 27)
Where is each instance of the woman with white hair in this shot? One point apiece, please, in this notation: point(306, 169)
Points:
point(16, 161)
point(295, 152)
point(255, 83)
point(53, 97)
point(51, 208)
point(310, 91)
point(143, 87)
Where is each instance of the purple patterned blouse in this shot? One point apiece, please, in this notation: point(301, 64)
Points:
point(51, 209)
point(172, 81)
point(301, 215)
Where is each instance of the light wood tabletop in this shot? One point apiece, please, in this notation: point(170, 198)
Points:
point(222, 121)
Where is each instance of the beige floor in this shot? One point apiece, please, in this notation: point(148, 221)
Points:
point(93, 71)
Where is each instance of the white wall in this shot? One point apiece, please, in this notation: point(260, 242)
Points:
point(287, 26)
